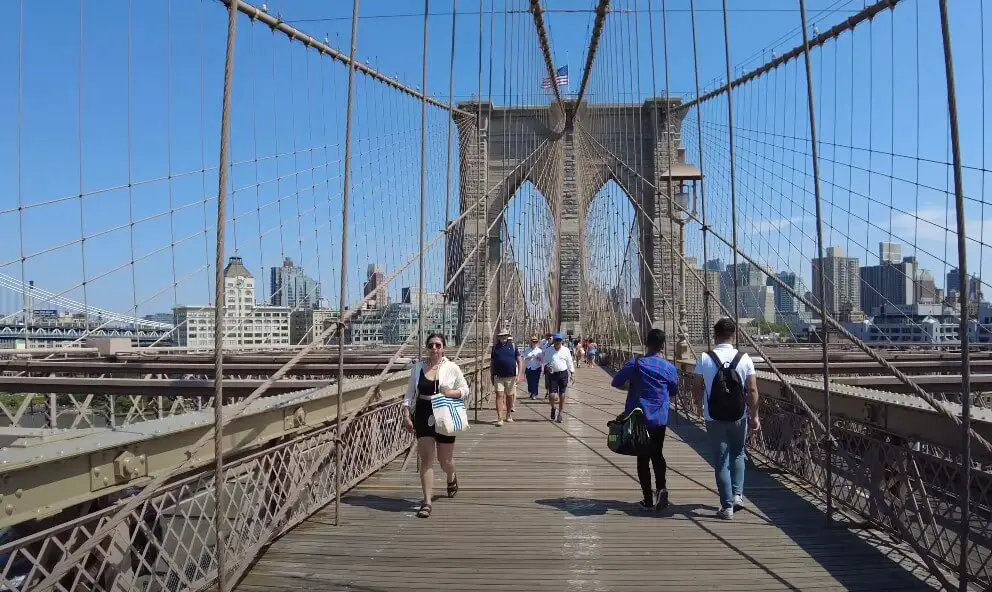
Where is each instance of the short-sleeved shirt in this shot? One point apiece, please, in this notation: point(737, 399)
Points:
point(504, 359)
point(707, 369)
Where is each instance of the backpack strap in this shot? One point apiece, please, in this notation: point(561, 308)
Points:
point(715, 358)
point(737, 359)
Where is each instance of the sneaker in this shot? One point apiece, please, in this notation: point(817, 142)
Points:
point(645, 504)
point(726, 513)
point(738, 503)
point(499, 423)
point(554, 413)
point(560, 417)
point(509, 418)
point(661, 499)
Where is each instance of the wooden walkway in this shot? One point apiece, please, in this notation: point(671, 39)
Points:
point(548, 506)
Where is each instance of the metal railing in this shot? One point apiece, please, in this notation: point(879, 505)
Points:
point(168, 541)
point(885, 470)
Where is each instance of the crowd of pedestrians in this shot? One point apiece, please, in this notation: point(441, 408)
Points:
point(724, 387)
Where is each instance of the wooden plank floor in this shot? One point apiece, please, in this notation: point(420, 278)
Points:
point(548, 506)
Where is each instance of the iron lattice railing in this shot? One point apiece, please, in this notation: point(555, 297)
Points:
point(168, 542)
point(909, 488)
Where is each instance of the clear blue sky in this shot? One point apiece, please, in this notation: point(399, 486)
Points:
point(66, 120)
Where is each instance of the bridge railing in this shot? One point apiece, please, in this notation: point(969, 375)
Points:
point(895, 464)
point(168, 542)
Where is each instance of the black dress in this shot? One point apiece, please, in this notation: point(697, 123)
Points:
point(423, 413)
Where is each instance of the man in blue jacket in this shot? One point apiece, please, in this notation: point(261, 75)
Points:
point(653, 380)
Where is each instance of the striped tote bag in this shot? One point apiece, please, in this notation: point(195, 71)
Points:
point(450, 417)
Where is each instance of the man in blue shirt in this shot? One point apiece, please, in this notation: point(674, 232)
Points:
point(653, 380)
point(507, 367)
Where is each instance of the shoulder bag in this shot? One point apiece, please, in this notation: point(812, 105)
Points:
point(450, 417)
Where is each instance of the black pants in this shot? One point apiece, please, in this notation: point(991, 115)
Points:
point(657, 458)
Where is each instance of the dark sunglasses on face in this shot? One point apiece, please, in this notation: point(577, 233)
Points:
point(435, 345)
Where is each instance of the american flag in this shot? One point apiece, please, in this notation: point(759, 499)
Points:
point(561, 78)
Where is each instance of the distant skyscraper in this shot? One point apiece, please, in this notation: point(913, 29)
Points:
point(375, 283)
point(888, 284)
point(926, 288)
point(954, 284)
point(698, 315)
point(841, 278)
point(292, 287)
point(784, 301)
point(889, 252)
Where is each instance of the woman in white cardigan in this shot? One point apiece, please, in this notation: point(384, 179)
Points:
point(435, 375)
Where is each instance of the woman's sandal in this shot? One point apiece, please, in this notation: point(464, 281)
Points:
point(453, 487)
point(424, 511)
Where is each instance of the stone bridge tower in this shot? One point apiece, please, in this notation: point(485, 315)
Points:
point(500, 148)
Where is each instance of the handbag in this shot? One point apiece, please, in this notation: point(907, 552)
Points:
point(629, 434)
point(450, 417)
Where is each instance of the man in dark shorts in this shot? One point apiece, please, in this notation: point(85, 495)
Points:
point(559, 366)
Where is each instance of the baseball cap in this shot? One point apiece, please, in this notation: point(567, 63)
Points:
point(559, 337)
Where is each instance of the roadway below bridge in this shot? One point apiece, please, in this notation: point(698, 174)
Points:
point(548, 506)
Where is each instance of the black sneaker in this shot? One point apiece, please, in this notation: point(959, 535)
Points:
point(661, 499)
point(645, 504)
point(554, 413)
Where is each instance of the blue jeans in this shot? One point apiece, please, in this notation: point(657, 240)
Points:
point(533, 381)
point(727, 439)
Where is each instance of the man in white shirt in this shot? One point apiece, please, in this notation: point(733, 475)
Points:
point(736, 392)
point(533, 357)
point(559, 366)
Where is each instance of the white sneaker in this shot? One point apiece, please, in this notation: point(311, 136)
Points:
point(499, 423)
point(726, 513)
point(738, 503)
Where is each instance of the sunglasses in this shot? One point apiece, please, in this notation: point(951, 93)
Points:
point(435, 345)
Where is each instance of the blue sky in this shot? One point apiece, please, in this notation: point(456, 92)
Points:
point(139, 142)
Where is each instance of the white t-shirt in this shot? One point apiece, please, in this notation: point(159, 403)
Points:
point(559, 359)
point(707, 369)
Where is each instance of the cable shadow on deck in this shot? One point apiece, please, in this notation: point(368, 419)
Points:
point(858, 560)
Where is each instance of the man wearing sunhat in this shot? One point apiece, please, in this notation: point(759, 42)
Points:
point(507, 368)
point(559, 365)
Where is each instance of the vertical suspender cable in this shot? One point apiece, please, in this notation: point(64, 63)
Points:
point(814, 151)
point(423, 185)
point(25, 292)
point(447, 191)
point(702, 186)
point(668, 149)
point(952, 111)
point(220, 509)
point(484, 208)
point(345, 194)
point(733, 180)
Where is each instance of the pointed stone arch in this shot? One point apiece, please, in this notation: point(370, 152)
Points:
point(501, 148)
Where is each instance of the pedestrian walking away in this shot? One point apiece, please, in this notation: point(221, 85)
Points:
point(507, 370)
point(591, 352)
point(532, 367)
point(432, 376)
point(651, 381)
point(560, 367)
point(726, 387)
